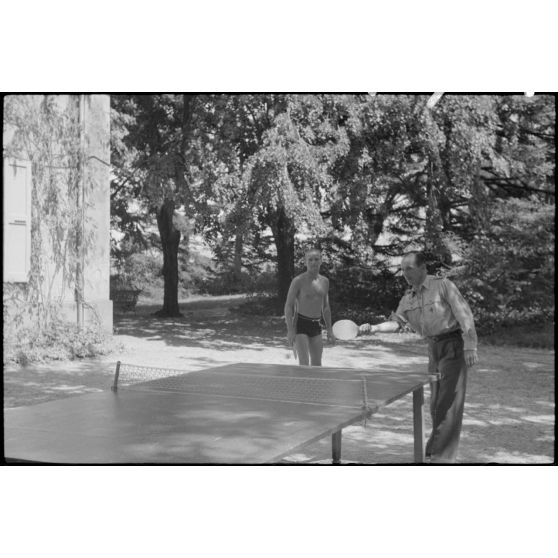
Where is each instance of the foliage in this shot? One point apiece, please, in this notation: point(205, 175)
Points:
point(138, 270)
point(61, 341)
point(359, 287)
point(508, 269)
point(155, 167)
point(46, 131)
point(539, 334)
point(265, 166)
point(368, 178)
point(259, 305)
point(228, 282)
point(142, 270)
point(194, 268)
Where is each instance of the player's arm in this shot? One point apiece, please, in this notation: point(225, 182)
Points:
point(326, 313)
point(290, 307)
point(395, 322)
point(463, 314)
point(391, 326)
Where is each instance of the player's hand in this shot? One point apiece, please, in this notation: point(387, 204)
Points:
point(471, 357)
point(330, 337)
point(366, 328)
point(291, 338)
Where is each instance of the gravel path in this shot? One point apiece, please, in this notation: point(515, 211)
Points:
point(509, 413)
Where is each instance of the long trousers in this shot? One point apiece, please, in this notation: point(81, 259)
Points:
point(447, 362)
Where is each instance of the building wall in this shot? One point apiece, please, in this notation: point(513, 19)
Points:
point(96, 265)
point(96, 142)
point(97, 204)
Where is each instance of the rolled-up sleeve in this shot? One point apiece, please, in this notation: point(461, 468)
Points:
point(462, 313)
point(399, 315)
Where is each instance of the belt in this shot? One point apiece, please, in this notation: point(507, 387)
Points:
point(447, 335)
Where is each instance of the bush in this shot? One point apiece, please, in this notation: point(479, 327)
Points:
point(138, 271)
point(194, 270)
point(365, 291)
point(507, 272)
point(144, 271)
point(538, 335)
point(260, 305)
point(227, 282)
point(487, 322)
point(61, 341)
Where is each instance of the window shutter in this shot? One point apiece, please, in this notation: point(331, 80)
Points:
point(17, 220)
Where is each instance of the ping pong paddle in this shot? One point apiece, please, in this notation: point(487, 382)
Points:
point(345, 330)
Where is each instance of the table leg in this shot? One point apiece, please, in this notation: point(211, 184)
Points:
point(418, 424)
point(336, 447)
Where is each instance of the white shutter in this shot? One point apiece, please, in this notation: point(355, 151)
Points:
point(17, 220)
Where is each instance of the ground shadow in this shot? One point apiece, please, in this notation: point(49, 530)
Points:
point(30, 385)
point(509, 412)
point(220, 328)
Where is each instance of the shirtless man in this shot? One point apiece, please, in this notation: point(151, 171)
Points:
point(307, 302)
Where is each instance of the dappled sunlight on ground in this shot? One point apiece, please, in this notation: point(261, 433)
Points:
point(509, 411)
point(542, 419)
point(514, 457)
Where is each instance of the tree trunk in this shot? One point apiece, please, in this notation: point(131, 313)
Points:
point(284, 236)
point(435, 247)
point(170, 237)
point(170, 240)
point(238, 245)
point(434, 227)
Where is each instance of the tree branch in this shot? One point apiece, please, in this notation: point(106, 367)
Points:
point(538, 134)
point(510, 182)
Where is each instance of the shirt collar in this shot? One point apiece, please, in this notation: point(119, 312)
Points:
point(425, 284)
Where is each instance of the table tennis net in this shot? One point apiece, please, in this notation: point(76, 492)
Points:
point(321, 391)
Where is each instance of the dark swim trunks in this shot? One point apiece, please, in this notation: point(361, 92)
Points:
point(308, 326)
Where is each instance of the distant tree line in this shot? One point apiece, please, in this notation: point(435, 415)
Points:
point(469, 181)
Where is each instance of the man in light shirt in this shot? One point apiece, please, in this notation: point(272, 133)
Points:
point(435, 309)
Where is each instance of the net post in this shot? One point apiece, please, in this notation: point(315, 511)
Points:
point(114, 386)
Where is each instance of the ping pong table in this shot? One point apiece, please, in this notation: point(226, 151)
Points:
point(237, 413)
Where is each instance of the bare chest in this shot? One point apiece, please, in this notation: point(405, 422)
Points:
point(313, 289)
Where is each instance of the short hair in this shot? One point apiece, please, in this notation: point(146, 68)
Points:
point(420, 258)
point(312, 249)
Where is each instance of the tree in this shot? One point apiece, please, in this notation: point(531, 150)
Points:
point(153, 163)
point(509, 269)
point(268, 159)
point(352, 170)
point(378, 185)
point(230, 132)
